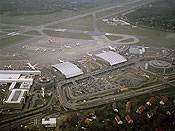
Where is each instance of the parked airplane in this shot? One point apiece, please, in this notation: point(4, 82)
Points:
point(37, 49)
point(78, 44)
point(14, 55)
point(60, 60)
point(50, 40)
point(67, 46)
point(89, 54)
point(8, 66)
point(112, 48)
point(33, 67)
point(13, 34)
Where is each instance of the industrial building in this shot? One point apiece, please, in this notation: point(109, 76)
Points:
point(68, 69)
point(111, 57)
point(136, 51)
point(15, 99)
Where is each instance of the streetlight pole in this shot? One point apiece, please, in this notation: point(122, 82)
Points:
point(54, 81)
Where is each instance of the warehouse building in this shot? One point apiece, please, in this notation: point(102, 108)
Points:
point(112, 58)
point(68, 69)
point(136, 51)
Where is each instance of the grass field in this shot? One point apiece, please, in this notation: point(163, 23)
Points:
point(84, 23)
point(2, 33)
point(7, 27)
point(147, 36)
point(112, 38)
point(32, 32)
point(67, 35)
point(109, 12)
point(35, 20)
point(128, 40)
point(10, 30)
point(119, 10)
point(12, 39)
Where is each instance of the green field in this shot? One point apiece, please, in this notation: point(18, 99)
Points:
point(32, 32)
point(67, 34)
point(127, 40)
point(2, 33)
point(113, 38)
point(7, 27)
point(147, 36)
point(109, 12)
point(119, 10)
point(12, 39)
point(84, 23)
point(35, 20)
point(10, 30)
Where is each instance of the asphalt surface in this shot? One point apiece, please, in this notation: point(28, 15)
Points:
point(95, 32)
point(111, 98)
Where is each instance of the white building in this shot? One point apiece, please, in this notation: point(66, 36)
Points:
point(15, 99)
point(112, 58)
point(50, 122)
point(68, 69)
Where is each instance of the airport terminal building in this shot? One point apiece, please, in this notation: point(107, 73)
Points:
point(16, 99)
point(159, 66)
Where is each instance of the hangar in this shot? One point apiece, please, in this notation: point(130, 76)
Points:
point(112, 58)
point(68, 69)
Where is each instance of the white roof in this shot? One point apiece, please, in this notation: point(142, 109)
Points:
point(15, 96)
point(12, 85)
point(112, 58)
point(35, 72)
point(50, 121)
point(26, 85)
point(15, 80)
point(68, 69)
point(9, 76)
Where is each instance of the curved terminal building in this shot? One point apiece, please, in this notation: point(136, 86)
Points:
point(159, 66)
